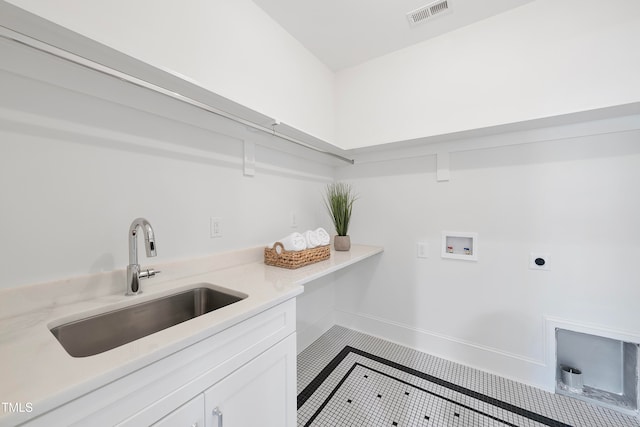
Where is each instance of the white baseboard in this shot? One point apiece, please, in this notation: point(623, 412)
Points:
point(516, 367)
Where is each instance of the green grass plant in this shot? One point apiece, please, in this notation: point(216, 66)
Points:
point(339, 202)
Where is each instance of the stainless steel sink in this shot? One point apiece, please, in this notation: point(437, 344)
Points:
point(102, 332)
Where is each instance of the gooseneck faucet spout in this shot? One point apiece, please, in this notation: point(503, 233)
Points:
point(133, 269)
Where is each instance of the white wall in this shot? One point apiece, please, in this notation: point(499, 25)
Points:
point(230, 47)
point(75, 170)
point(543, 59)
point(573, 198)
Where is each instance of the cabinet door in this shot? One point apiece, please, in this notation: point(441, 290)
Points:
point(191, 414)
point(261, 393)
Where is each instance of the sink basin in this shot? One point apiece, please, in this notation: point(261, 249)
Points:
point(102, 332)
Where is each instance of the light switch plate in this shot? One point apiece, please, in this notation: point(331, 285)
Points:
point(423, 250)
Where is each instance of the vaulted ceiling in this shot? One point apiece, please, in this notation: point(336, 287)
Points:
point(346, 33)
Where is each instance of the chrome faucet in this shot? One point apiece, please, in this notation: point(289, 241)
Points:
point(133, 269)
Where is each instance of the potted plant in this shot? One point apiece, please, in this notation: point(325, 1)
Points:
point(339, 202)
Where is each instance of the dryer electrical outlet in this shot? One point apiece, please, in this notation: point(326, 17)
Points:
point(539, 261)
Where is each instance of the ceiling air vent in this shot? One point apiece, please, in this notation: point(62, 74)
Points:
point(429, 11)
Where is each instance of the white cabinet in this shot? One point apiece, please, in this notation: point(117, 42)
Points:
point(191, 414)
point(247, 370)
point(261, 393)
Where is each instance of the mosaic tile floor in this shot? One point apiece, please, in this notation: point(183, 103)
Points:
point(347, 378)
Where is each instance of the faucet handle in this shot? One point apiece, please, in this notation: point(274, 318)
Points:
point(148, 273)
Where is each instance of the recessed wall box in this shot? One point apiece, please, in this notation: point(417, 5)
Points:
point(597, 369)
point(460, 245)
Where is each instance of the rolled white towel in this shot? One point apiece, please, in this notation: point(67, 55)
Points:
point(311, 237)
point(323, 236)
point(293, 242)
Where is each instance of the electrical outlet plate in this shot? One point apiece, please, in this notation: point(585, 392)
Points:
point(294, 219)
point(215, 227)
point(533, 256)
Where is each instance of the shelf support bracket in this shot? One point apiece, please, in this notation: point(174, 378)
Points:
point(442, 166)
point(249, 158)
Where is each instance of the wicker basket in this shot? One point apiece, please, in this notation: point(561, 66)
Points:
point(278, 257)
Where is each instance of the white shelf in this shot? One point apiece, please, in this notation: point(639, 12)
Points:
point(337, 261)
point(51, 53)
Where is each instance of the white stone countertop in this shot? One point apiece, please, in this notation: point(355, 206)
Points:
point(35, 368)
